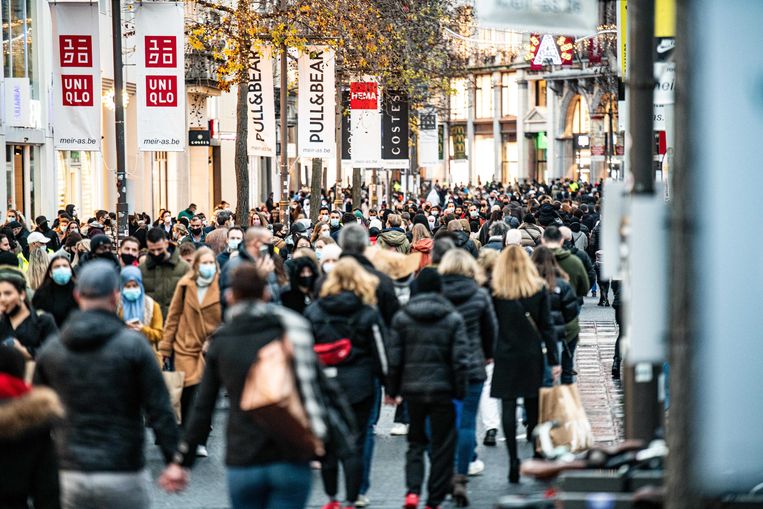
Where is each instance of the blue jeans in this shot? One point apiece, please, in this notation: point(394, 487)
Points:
point(466, 422)
point(272, 486)
point(368, 448)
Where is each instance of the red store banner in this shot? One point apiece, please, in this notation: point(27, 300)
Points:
point(160, 79)
point(76, 76)
point(550, 50)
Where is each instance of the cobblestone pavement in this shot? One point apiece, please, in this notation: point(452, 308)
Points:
point(601, 397)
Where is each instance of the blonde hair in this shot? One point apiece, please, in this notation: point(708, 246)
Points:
point(487, 260)
point(348, 275)
point(460, 263)
point(515, 275)
point(38, 266)
point(420, 232)
point(197, 260)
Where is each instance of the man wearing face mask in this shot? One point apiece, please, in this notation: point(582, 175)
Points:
point(129, 251)
point(161, 270)
point(42, 227)
point(335, 225)
point(234, 238)
point(257, 247)
point(100, 249)
point(166, 224)
point(195, 232)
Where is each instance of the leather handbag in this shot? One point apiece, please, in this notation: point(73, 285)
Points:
point(271, 398)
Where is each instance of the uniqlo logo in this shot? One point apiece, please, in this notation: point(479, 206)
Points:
point(161, 51)
point(77, 89)
point(161, 91)
point(75, 50)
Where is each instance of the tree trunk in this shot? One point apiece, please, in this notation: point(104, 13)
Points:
point(316, 177)
point(356, 191)
point(241, 159)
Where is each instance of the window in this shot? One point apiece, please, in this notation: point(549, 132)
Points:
point(458, 99)
point(540, 92)
point(18, 50)
point(484, 96)
point(509, 94)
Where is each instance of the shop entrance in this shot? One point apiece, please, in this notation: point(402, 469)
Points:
point(16, 190)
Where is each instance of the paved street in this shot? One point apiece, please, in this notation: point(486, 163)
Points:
point(601, 397)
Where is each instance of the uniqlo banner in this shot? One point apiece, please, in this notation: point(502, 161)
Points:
point(365, 124)
point(428, 139)
point(76, 76)
point(395, 129)
point(160, 80)
point(317, 102)
point(261, 132)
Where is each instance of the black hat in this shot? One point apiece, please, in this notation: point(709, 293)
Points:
point(8, 258)
point(98, 241)
point(575, 227)
point(40, 220)
point(14, 224)
point(428, 280)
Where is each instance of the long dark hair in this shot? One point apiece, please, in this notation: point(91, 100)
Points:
point(48, 279)
point(548, 268)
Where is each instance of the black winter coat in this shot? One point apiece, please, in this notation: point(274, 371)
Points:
point(564, 311)
point(345, 316)
point(518, 368)
point(56, 299)
point(429, 351)
point(476, 308)
point(464, 242)
point(32, 333)
point(385, 292)
point(589, 268)
point(107, 378)
point(28, 459)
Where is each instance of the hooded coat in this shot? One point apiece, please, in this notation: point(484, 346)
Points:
point(89, 364)
point(160, 280)
point(293, 298)
point(394, 238)
point(464, 242)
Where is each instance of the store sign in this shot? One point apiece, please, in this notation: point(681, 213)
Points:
point(458, 135)
point(622, 37)
point(550, 50)
point(17, 102)
point(198, 138)
point(76, 78)
point(260, 102)
point(346, 127)
point(160, 82)
point(316, 102)
point(394, 125)
point(428, 139)
point(576, 17)
point(365, 124)
point(664, 70)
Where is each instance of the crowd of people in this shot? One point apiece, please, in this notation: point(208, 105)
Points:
point(453, 307)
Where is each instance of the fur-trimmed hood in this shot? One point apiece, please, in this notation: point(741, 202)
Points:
point(38, 407)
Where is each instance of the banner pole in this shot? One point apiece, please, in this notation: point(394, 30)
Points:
point(119, 119)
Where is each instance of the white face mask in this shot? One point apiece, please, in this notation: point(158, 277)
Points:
point(328, 267)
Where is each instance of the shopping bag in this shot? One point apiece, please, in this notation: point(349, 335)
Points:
point(270, 396)
point(174, 381)
point(562, 404)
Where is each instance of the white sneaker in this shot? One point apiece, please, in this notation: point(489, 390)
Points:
point(201, 451)
point(476, 467)
point(362, 501)
point(399, 429)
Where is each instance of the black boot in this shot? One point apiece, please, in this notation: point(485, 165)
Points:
point(490, 440)
point(514, 471)
point(601, 300)
point(606, 302)
point(460, 496)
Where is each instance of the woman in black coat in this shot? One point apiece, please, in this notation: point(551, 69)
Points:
point(28, 461)
point(525, 326)
point(56, 292)
point(20, 325)
point(349, 341)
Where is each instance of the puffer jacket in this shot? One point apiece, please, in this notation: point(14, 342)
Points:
point(429, 351)
point(464, 242)
point(345, 316)
point(564, 311)
point(476, 308)
point(160, 280)
point(394, 238)
point(107, 378)
point(531, 234)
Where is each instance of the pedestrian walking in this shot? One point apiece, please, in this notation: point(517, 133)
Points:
point(303, 275)
point(140, 312)
point(108, 380)
point(524, 326)
point(56, 293)
point(161, 270)
point(38, 259)
point(28, 460)
point(461, 279)
point(350, 343)
point(194, 314)
point(21, 326)
point(429, 368)
point(263, 471)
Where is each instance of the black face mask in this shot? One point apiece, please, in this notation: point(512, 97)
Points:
point(195, 231)
point(15, 311)
point(128, 259)
point(306, 281)
point(157, 259)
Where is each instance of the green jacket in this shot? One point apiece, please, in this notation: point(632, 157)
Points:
point(575, 269)
point(185, 213)
point(394, 239)
point(159, 281)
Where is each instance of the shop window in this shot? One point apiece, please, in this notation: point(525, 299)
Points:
point(540, 93)
point(19, 52)
point(509, 94)
point(484, 96)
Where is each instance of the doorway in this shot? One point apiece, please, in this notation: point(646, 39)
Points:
point(16, 190)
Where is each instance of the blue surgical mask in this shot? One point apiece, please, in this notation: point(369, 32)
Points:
point(61, 275)
point(233, 244)
point(131, 294)
point(207, 270)
point(334, 223)
point(318, 254)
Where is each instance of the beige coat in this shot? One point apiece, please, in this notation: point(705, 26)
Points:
point(189, 324)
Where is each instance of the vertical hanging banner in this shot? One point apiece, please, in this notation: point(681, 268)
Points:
point(260, 103)
point(428, 155)
point(365, 124)
point(394, 125)
point(76, 76)
point(160, 81)
point(346, 129)
point(316, 102)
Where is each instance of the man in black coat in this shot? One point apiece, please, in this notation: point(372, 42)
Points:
point(107, 378)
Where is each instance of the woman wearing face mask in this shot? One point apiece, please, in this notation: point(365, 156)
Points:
point(56, 293)
point(321, 230)
point(193, 316)
point(20, 325)
point(140, 312)
point(304, 273)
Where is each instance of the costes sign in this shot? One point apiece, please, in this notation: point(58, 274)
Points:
point(395, 129)
point(261, 113)
point(160, 83)
point(316, 102)
point(76, 76)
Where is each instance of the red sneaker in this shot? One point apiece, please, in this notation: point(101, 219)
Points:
point(411, 501)
point(333, 505)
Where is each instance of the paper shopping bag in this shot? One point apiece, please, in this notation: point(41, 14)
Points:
point(562, 404)
point(174, 381)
